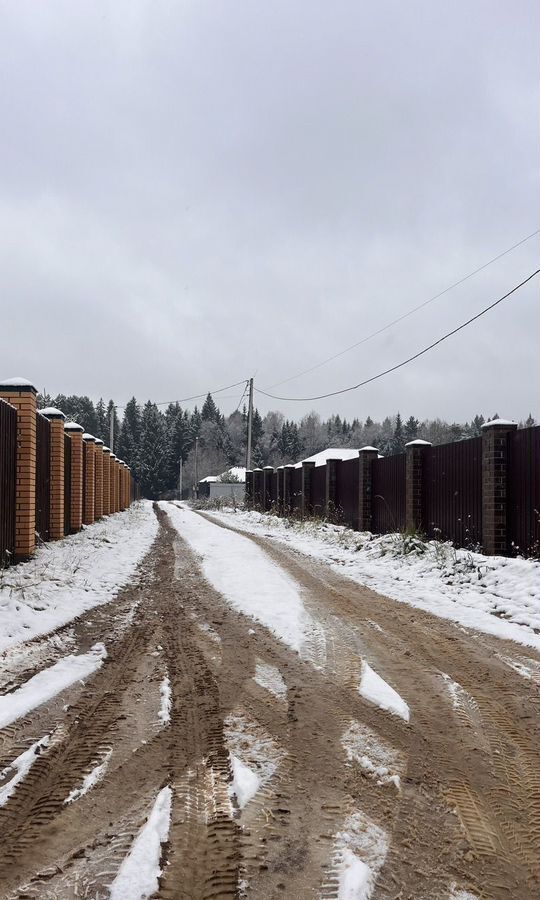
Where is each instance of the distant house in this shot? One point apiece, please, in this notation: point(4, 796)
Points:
point(231, 483)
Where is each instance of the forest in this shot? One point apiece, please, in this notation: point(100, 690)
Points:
point(153, 441)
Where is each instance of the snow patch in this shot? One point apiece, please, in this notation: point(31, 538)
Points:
point(373, 754)
point(246, 576)
point(138, 877)
point(376, 690)
point(164, 714)
point(270, 678)
point(360, 852)
point(253, 749)
point(19, 768)
point(90, 780)
point(67, 577)
point(246, 782)
point(51, 681)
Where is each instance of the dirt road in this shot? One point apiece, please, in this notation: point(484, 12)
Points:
point(444, 803)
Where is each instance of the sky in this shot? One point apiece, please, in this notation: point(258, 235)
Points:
point(193, 193)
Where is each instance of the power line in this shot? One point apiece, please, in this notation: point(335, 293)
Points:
point(196, 397)
point(242, 397)
point(405, 362)
point(409, 313)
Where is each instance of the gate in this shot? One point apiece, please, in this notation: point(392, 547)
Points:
point(67, 484)
point(8, 480)
point(43, 476)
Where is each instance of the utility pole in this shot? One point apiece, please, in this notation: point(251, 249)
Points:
point(111, 427)
point(197, 468)
point(180, 474)
point(249, 425)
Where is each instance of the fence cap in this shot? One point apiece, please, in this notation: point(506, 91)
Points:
point(268, 467)
point(99, 441)
point(21, 384)
point(106, 449)
point(51, 412)
point(89, 437)
point(73, 426)
point(362, 449)
point(500, 422)
point(418, 443)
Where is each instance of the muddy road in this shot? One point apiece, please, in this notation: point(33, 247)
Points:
point(440, 801)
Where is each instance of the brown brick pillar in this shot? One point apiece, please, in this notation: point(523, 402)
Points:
point(331, 498)
point(267, 475)
point(414, 478)
point(114, 469)
point(495, 485)
point(22, 394)
point(106, 481)
point(306, 508)
point(122, 501)
point(98, 480)
point(89, 478)
point(77, 449)
point(57, 474)
point(111, 484)
point(365, 493)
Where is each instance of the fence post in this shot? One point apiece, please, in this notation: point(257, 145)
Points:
point(306, 508)
point(106, 481)
point(287, 475)
point(257, 488)
point(249, 487)
point(98, 479)
point(414, 471)
point(330, 493)
point(495, 485)
point(279, 490)
point(21, 393)
point(267, 474)
point(56, 490)
point(365, 495)
point(89, 478)
point(77, 449)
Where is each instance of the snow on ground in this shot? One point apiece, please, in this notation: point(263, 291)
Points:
point(270, 678)
point(139, 873)
point(376, 757)
point(91, 779)
point(246, 782)
point(376, 690)
point(494, 594)
point(360, 852)
point(67, 577)
point(49, 682)
point(246, 576)
point(164, 714)
point(19, 768)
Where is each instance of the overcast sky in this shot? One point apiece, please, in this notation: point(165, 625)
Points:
point(196, 192)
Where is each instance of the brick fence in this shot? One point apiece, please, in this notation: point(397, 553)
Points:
point(53, 476)
point(479, 493)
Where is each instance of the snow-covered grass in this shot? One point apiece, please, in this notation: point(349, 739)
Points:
point(494, 594)
point(68, 577)
point(246, 576)
point(138, 877)
point(48, 683)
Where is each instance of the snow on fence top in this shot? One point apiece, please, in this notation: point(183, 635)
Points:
point(321, 458)
point(497, 422)
point(16, 382)
point(73, 426)
point(52, 412)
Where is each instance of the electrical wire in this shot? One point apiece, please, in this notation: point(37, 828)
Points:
point(405, 362)
point(242, 397)
point(407, 314)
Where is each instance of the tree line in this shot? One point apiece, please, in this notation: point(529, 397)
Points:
point(153, 441)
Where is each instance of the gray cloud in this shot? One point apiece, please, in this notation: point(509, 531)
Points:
point(195, 192)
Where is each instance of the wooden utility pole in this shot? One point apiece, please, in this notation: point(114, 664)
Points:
point(180, 475)
point(197, 468)
point(249, 425)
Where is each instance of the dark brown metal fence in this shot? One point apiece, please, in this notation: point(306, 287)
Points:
point(524, 491)
point(347, 487)
point(388, 493)
point(318, 490)
point(8, 479)
point(67, 484)
point(452, 492)
point(296, 490)
point(43, 476)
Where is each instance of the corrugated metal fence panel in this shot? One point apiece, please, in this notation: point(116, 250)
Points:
point(67, 483)
point(347, 487)
point(318, 490)
point(43, 476)
point(453, 492)
point(8, 480)
point(388, 493)
point(524, 491)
